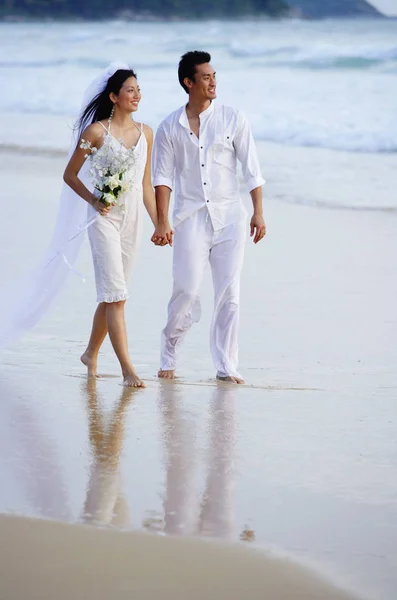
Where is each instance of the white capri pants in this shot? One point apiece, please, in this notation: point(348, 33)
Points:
point(195, 244)
point(114, 241)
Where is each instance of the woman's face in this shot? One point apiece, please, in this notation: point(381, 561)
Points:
point(129, 96)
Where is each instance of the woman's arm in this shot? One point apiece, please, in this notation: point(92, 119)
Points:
point(149, 199)
point(70, 176)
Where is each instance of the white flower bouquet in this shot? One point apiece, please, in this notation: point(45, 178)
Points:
point(109, 171)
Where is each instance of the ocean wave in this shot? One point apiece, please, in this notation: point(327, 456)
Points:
point(246, 51)
point(363, 144)
point(328, 205)
point(33, 150)
point(80, 36)
point(82, 63)
point(320, 58)
point(340, 62)
point(56, 62)
point(342, 141)
point(306, 135)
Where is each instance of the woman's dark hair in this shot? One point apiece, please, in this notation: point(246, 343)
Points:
point(188, 64)
point(101, 106)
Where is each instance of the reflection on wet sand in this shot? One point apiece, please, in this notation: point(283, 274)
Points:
point(64, 561)
point(28, 447)
point(217, 517)
point(179, 434)
point(183, 514)
point(105, 502)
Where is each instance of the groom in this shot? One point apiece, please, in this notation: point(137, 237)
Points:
point(196, 150)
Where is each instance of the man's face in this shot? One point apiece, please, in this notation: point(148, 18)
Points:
point(204, 86)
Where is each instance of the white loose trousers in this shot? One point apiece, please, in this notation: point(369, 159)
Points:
point(195, 244)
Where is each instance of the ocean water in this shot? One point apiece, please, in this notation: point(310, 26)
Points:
point(329, 84)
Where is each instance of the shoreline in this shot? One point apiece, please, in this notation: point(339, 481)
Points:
point(321, 178)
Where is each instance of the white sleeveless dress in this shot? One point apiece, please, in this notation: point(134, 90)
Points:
point(115, 238)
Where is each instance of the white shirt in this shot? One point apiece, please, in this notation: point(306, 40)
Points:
point(205, 169)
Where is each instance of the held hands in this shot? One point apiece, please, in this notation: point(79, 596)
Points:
point(258, 228)
point(163, 235)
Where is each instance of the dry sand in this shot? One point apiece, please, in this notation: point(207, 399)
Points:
point(48, 560)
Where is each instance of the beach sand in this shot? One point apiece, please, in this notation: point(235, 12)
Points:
point(47, 560)
point(300, 461)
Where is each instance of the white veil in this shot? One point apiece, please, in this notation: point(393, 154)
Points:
point(29, 297)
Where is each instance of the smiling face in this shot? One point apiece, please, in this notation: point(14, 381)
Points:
point(129, 96)
point(204, 85)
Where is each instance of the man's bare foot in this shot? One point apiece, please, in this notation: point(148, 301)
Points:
point(132, 380)
point(166, 374)
point(91, 363)
point(230, 379)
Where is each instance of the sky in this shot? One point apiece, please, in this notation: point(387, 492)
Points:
point(389, 7)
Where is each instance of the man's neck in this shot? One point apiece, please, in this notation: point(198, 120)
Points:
point(195, 107)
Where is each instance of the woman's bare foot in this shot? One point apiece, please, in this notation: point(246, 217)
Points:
point(230, 379)
point(166, 374)
point(91, 363)
point(132, 380)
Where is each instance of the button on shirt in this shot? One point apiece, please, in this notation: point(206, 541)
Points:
point(204, 170)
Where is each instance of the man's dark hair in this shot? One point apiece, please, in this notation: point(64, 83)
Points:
point(188, 64)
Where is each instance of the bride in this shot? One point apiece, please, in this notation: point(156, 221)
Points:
point(108, 202)
point(109, 139)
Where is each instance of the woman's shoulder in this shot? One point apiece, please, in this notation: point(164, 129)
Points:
point(95, 130)
point(148, 131)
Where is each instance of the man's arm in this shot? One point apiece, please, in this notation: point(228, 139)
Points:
point(246, 153)
point(163, 232)
point(163, 167)
point(257, 225)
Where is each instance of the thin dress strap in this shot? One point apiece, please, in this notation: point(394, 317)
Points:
point(136, 125)
point(107, 130)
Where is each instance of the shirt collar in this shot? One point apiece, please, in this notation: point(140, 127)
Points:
point(206, 113)
point(184, 121)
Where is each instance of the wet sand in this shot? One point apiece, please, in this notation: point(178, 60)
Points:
point(300, 461)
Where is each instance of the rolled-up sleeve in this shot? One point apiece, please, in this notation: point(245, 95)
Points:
point(163, 158)
point(246, 153)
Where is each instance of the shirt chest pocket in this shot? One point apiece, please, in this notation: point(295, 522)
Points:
point(223, 150)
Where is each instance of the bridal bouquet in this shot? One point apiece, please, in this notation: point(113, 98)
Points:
point(109, 171)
